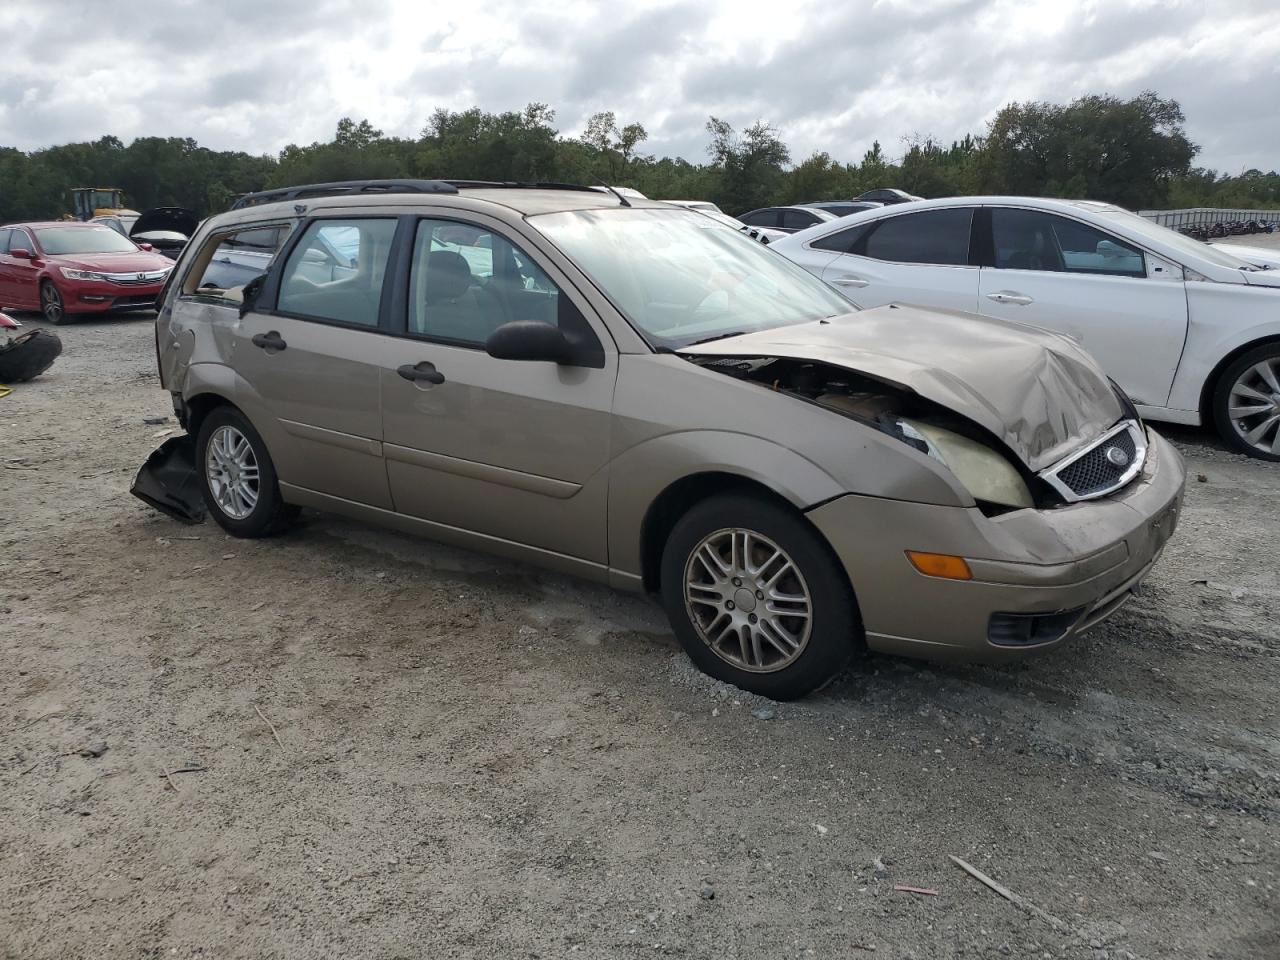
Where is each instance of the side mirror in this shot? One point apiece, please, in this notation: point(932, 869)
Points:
point(20, 253)
point(249, 295)
point(530, 340)
point(146, 246)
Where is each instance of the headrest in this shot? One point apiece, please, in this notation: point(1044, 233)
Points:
point(448, 276)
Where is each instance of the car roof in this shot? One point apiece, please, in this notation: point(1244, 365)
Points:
point(53, 223)
point(526, 201)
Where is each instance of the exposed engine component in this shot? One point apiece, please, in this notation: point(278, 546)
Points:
point(978, 460)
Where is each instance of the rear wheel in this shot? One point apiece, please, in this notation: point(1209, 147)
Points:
point(51, 304)
point(237, 477)
point(1246, 403)
point(756, 597)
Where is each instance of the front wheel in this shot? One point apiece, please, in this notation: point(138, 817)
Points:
point(237, 477)
point(51, 304)
point(1246, 403)
point(757, 598)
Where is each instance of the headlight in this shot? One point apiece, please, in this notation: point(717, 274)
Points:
point(81, 274)
point(983, 472)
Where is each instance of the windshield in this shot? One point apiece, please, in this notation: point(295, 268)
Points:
point(681, 278)
point(1151, 230)
point(64, 241)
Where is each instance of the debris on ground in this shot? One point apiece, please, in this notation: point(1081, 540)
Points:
point(28, 355)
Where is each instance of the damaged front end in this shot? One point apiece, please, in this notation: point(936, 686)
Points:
point(992, 475)
point(169, 481)
point(1020, 417)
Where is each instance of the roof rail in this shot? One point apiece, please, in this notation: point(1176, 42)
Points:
point(344, 188)
point(517, 185)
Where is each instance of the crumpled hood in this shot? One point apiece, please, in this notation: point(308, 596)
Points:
point(1037, 391)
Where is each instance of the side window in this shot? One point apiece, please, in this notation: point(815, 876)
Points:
point(932, 236)
point(1033, 240)
point(761, 218)
point(844, 241)
point(797, 219)
point(4, 240)
point(228, 261)
point(466, 282)
point(336, 271)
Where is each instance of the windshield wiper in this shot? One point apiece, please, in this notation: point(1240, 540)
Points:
point(718, 336)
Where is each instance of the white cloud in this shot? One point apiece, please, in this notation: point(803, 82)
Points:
point(258, 74)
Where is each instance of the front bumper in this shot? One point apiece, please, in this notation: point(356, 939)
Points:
point(99, 296)
point(1072, 566)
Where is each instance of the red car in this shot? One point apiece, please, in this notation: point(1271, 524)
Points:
point(64, 268)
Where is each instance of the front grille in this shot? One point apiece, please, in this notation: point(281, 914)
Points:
point(134, 279)
point(1094, 471)
point(1103, 468)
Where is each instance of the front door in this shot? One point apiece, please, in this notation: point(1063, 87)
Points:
point(1124, 306)
point(516, 450)
point(919, 258)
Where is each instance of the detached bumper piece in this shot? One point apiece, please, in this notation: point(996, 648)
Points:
point(169, 482)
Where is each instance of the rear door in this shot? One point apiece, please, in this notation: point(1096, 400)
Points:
point(917, 258)
point(516, 450)
point(313, 359)
point(1125, 306)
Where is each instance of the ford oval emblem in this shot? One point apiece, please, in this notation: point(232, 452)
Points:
point(1117, 457)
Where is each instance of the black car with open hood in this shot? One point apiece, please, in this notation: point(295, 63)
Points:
point(167, 229)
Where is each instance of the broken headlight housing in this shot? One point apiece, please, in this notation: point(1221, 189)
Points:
point(982, 471)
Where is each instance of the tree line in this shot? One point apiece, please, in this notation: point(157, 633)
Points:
point(1131, 152)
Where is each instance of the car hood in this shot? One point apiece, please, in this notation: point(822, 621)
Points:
point(1038, 392)
point(173, 219)
point(140, 262)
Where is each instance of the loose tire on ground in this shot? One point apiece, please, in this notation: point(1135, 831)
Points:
point(1251, 382)
point(834, 630)
point(28, 355)
point(268, 514)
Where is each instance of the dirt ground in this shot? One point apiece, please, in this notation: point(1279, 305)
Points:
point(476, 759)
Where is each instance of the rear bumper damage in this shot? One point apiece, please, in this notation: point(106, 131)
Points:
point(1039, 576)
point(169, 482)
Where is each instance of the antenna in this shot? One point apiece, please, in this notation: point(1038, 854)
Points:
point(621, 199)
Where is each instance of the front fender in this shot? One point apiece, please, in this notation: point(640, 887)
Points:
point(1223, 318)
point(639, 475)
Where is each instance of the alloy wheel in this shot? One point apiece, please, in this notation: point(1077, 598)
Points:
point(747, 600)
point(1254, 405)
point(232, 471)
point(51, 303)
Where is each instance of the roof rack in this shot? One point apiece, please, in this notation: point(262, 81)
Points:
point(344, 187)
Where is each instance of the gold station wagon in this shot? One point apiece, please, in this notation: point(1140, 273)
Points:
point(628, 391)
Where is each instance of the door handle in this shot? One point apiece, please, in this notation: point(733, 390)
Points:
point(1006, 296)
point(269, 341)
point(426, 371)
point(849, 281)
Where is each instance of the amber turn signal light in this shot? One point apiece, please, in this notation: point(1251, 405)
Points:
point(940, 565)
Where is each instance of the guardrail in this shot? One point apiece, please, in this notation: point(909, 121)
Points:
point(1207, 216)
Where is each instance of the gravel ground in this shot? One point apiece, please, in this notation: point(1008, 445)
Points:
point(477, 759)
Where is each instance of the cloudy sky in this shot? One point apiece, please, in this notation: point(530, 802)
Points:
point(834, 76)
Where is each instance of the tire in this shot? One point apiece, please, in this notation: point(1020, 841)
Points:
point(51, 304)
point(816, 649)
point(223, 492)
point(1254, 379)
point(28, 355)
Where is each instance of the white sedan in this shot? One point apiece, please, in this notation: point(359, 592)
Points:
point(1190, 331)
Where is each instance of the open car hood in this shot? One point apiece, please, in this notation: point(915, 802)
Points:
point(1038, 392)
point(170, 219)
